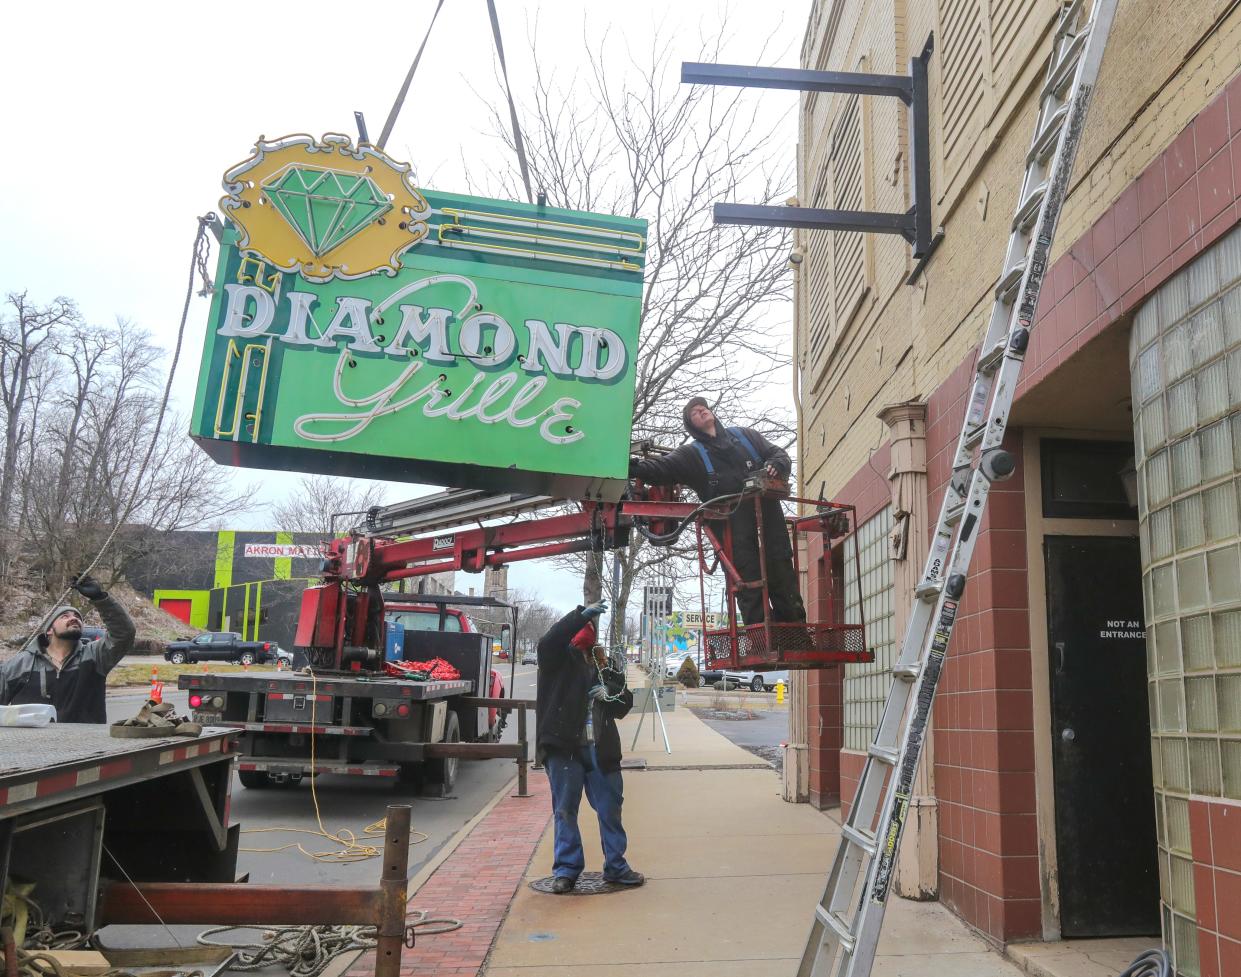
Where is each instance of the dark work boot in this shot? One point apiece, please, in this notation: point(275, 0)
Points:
point(629, 878)
point(563, 884)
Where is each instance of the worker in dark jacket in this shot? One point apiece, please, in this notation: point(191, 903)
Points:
point(61, 670)
point(717, 462)
point(580, 699)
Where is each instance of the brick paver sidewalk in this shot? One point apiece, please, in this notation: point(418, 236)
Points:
point(476, 885)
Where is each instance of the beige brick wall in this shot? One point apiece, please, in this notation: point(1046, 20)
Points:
point(1164, 62)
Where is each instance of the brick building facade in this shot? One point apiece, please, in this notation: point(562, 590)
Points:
point(1122, 515)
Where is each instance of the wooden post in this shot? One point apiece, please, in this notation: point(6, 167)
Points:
point(523, 753)
point(392, 888)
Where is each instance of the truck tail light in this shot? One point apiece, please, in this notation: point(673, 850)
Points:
point(403, 709)
point(196, 700)
point(218, 702)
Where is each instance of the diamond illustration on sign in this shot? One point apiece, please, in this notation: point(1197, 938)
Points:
point(325, 208)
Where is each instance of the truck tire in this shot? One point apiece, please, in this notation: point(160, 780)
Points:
point(247, 658)
point(756, 684)
point(177, 658)
point(253, 779)
point(439, 776)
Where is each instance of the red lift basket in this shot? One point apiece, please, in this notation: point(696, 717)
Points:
point(775, 645)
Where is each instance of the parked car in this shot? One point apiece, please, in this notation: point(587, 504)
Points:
point(221, 646)
point(756, 681)
point(90, 633)
point(530, 657)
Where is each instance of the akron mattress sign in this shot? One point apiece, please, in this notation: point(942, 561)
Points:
point(283, 551)
point(363, 327)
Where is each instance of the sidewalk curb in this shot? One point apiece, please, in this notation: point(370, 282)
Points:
point(452, 844)
point(344, 963)
point(474, 878)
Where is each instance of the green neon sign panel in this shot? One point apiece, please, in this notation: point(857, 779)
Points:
point(501, 355)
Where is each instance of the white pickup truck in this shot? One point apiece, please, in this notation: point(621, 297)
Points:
point(757, 681)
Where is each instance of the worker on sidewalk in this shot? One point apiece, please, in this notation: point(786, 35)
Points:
point(580, 699)
point(59, 669)
point(716, 462)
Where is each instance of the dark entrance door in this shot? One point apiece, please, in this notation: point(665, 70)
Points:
point(1100, 724)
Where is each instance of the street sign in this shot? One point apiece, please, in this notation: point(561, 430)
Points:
point(656, 601)
point(692, 620)
point(362, 326)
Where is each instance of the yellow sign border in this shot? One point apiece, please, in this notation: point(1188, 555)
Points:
point(264, 230)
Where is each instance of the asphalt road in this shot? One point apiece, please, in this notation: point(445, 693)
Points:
point(345, 803)
point(762, 736)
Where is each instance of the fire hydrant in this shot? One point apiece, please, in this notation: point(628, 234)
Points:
point(780, 692)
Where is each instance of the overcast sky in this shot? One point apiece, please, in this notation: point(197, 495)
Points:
point(121, 118)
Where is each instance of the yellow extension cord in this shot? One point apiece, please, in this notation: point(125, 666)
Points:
point(352, 847)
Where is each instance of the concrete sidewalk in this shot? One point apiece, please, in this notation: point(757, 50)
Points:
point(733, 874)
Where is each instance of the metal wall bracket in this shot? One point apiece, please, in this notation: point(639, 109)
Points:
point(912, 89)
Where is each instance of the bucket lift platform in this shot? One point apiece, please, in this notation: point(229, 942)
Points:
point(776, 645)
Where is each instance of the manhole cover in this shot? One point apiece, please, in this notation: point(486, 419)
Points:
point(588, 884)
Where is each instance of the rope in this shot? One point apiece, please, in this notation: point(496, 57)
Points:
point(198, 266)
point(409, 78)
point(35, 963)
point(306, 951)
point(353, 847)
point(518, 144)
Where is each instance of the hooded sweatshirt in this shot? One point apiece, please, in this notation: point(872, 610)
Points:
point(78, 689)
point(565, 679)
point(732, 462)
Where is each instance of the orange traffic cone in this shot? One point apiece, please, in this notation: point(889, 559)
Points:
point(204, 668)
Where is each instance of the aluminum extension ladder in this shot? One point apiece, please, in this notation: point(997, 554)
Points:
point(843, 944)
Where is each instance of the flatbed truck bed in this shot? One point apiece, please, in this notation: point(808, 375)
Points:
point(78, 806)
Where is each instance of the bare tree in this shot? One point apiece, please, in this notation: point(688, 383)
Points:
point(81, 477)
point(310, 507)
point(27, 336)
point(534, 618)
point(635, 141)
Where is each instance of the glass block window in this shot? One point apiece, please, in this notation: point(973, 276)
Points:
point(1185, 366)
point(866, 686)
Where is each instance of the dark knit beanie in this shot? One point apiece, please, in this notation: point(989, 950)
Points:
point(693, 402)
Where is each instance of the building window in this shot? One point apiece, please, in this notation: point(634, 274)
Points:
point(963, 78)
point(1088, 479)
point(866, 685)
point(985, 46)
point(845, 164)
point(1185, 361)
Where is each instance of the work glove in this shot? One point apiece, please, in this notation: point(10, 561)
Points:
point(595, 610)
point(597, 692)
point(88, 587)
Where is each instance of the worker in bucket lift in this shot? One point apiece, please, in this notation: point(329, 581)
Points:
point(580, 698)
point(716, 462)
point(61, 670)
